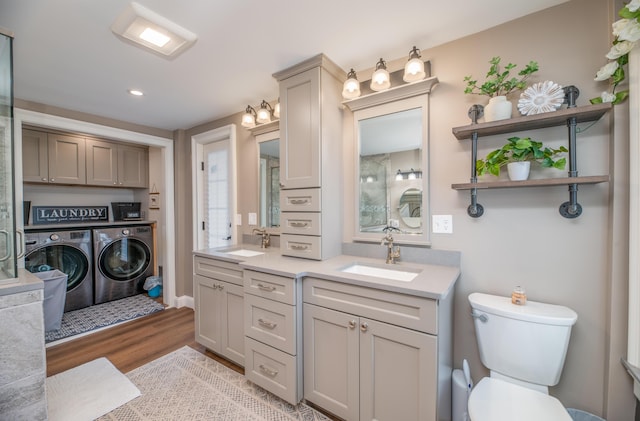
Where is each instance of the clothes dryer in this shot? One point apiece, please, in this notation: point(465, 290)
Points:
point(68, 251)
point(123, 259)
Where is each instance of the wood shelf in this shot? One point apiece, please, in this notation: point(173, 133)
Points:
point(538, 121)
point(592, 179)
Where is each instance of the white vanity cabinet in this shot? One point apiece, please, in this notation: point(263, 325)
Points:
point(218, 295)
point(310, 156)
point(373, 354)
point(273, 343)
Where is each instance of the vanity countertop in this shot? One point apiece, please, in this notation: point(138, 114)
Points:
point(26, 281)
point(432, 281)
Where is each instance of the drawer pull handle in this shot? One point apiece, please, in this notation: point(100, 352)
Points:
point(220, 287)
point(267, 324)
point(299, 247)
point(352, 324)
point(268, 371)
point(299, 224)
point(299, 201)
point(267, 288)
point(364, 327)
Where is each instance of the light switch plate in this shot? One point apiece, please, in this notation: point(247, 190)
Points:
point(442, 224)
point(253, 218)
point(238, 219)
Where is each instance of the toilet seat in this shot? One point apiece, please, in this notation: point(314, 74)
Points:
point(497, 400)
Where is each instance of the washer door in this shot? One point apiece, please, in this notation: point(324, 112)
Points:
point(124, 259)
point(63, 257)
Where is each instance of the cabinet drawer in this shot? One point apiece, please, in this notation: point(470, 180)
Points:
point(300, 200)
point(271, 369)
point(305, 246)
point(302, 223)
point(218, 269)
point(408, 311)
point(273, 287)
point(270, 322)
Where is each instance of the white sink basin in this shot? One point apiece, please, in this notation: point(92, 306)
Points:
point(244, 253)
point(378, 272)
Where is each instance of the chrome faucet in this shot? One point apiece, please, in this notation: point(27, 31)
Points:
point(266, 237)
point(393, 252)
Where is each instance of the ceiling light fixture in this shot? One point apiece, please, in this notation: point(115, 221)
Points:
point(351, 87)
point(264, 113)
point(135, 92)
point(249, 117)
point(414, 69)
point(144, 27)
point(380, 78)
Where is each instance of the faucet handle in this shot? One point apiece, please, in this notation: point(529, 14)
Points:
point(390, 228)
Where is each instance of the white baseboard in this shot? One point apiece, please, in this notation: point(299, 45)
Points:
point(185, 301)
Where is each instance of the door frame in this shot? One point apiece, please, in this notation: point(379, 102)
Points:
point(227, 132)
point(167, 218)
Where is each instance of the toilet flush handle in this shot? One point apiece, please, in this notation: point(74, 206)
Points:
point(483, 317)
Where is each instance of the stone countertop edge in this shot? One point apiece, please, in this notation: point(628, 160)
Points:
point(433, 281)
point(26, 281)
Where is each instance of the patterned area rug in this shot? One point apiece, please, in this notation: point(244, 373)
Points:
point(187, 385)
point(95, 317)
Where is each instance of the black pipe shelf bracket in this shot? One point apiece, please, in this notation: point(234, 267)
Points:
point(570, 116)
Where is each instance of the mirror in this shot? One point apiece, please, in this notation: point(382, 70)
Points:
point(269, 179)
point(391, 170)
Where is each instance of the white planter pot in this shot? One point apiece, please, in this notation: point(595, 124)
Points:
point(498, 108)
point(518, 171)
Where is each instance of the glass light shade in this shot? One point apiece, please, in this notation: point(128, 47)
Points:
point(264, 116)
point(380, 78)
point(399, 176)
point(248, 118)
point(412, 175)
point(351, 87)
point(276, 110)
point(414, 70)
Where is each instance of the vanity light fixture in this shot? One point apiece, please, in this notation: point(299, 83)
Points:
point(412, 175)
point(351, 87)
point(249, 117)
point(408, 175)
point(145, 28)
point(380, 78)
point(414, 69)
point(264, 113)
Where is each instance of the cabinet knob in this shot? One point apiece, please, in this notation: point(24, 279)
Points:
point(364, 327)
point(52, 180)
point(44, 179)
point(281, 185)
point(352, 324)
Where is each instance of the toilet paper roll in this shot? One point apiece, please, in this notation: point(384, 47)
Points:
point(459, 396)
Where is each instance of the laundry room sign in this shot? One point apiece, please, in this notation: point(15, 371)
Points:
point(66, 214)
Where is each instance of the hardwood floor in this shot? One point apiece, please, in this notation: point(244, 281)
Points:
point(132, 344)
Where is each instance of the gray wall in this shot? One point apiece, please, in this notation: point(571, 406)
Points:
point(521, 239)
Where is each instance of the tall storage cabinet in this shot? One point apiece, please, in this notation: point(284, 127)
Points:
point(311, 159)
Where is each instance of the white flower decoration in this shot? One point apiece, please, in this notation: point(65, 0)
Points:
point(633, 5)
point(627, 30)
point(541, 97)
point(607, 97)
point(607, 71)
point(620, 49)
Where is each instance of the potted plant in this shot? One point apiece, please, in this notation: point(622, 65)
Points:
point(520, 151)
point(498, 84)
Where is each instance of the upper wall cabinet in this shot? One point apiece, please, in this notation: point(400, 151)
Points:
point(53, 158)
point(311, 159)
point(64, 159)
point(113, 164)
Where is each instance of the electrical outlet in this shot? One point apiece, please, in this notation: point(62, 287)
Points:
point(442, 224)
point(253, 218)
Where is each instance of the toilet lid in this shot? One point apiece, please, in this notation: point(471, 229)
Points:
point(498, 400)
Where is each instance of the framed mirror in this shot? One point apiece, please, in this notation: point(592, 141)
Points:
point(392, 171)
point(269, 180)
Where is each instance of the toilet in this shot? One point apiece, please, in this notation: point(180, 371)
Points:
point(524, 347)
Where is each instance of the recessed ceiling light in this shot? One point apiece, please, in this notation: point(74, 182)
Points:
point(136, 92)
point(145, 28)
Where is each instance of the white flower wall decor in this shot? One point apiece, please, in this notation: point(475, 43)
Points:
point(541, 97)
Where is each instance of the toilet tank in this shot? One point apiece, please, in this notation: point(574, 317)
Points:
point(526, 342)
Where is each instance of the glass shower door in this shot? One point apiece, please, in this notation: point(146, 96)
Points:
point(8, 260)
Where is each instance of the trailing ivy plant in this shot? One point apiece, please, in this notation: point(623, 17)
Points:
point(498, 81)
point(520, 149)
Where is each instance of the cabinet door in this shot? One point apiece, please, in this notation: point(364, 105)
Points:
point(232, 321)
point(398, 373)
point(331, 371)
point(207, 311)
point(300, 130)
point(35, 166)
point(66, 159)
point(102, 163)
point(133, 163)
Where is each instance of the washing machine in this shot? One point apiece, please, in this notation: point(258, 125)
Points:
point(123, 259)
point(68, 251)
